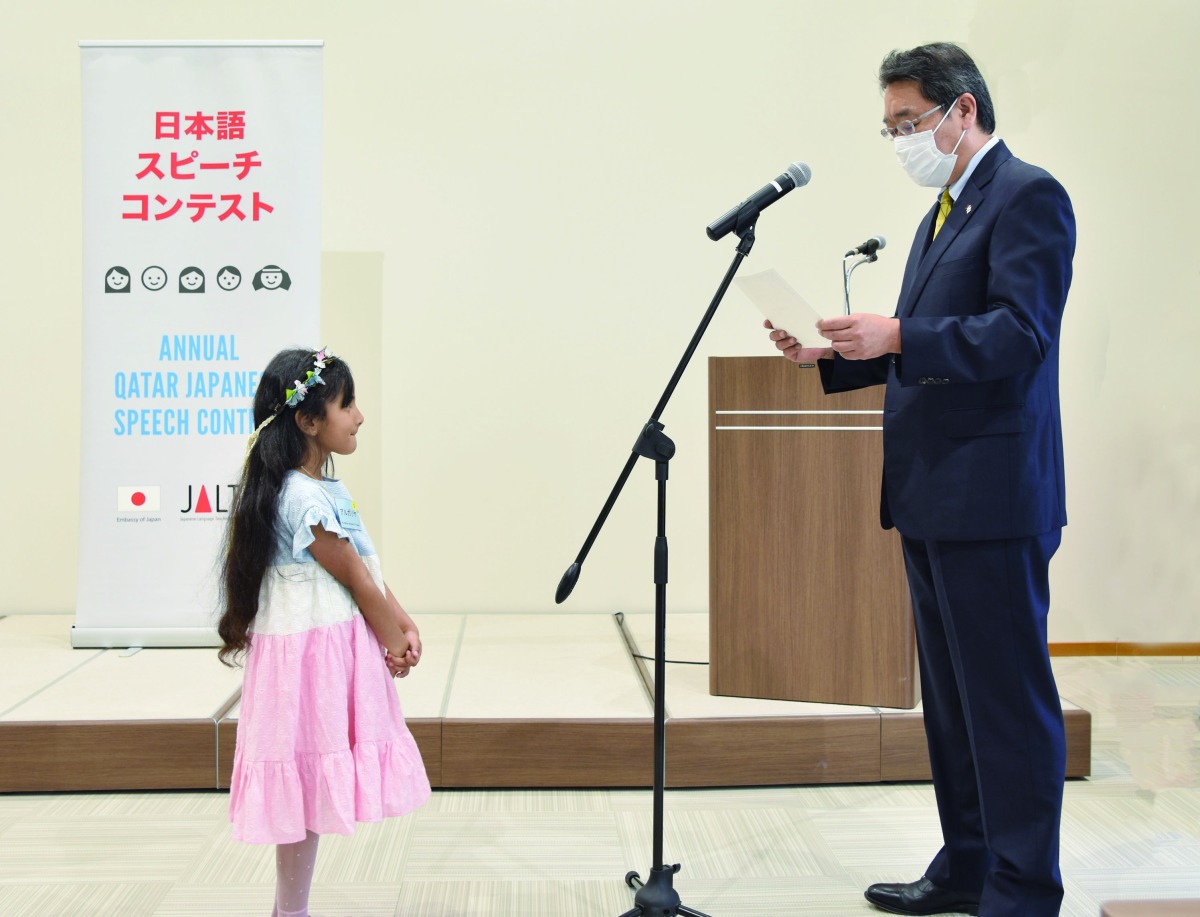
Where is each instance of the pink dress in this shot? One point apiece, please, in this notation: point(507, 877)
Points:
point(321, 739)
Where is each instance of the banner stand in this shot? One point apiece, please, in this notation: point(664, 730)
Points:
point(201, 260)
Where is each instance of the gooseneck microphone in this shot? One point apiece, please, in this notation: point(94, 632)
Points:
point(745, 213)
point(868, 251)
point(870, 247)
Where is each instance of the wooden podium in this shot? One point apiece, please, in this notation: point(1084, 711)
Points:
point(808, 597)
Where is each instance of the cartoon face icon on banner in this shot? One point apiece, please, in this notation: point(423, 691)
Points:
point(191, 280)
point(116, 280)
point(154, 278)
point(272, 277)
point(229, 278)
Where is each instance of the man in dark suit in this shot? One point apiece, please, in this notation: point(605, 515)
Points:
point(973, 480)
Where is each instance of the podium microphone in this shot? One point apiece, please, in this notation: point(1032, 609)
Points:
point(870, 247)
point(744, 214)
point(868, 250)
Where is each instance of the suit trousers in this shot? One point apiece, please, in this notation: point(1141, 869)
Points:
point(993, 719)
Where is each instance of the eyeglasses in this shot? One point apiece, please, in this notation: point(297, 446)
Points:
point(905, 128)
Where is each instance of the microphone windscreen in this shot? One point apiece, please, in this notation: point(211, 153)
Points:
point(801, 172)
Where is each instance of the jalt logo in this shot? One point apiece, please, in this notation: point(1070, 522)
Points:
point(199, 503)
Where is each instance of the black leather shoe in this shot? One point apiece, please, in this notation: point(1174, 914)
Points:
point(921, 897)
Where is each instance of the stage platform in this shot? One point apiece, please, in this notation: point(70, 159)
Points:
point(536, 700)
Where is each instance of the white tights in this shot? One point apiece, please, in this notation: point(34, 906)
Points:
point(293, 876)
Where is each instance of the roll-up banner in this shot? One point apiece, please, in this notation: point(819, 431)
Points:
point(201, 259)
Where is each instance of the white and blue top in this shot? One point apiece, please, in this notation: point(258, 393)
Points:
point(297, 593)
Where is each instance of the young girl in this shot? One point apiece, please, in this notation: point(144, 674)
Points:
point(321, 741)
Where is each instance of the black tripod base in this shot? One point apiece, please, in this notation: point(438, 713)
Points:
point(657, 897)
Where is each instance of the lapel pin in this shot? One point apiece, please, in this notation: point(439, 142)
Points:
point(968, 208)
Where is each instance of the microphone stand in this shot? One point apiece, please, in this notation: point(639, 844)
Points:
point(846, 272)
point(657, 896)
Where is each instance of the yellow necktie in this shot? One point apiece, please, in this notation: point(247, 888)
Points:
point(943, 211)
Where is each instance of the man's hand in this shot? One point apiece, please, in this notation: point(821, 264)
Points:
point(791, 347)
point(861, 336)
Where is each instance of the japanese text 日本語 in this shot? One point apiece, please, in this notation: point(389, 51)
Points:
point(164, 174)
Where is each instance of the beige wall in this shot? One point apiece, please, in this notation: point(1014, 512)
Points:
point(526, 184)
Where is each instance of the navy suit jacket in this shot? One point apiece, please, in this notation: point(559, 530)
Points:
point(972, 432)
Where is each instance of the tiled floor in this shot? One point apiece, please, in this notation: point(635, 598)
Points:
point(1132, 830)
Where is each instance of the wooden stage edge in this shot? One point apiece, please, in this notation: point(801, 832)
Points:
point(888, 746)
point(478, 725)
point(714, 752)
point(1125, 649)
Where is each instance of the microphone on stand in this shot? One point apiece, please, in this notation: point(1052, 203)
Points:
point(868, 250)
point(745, 213)
point(870, 247)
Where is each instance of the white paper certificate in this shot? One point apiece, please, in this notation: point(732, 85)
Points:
point(783, 306)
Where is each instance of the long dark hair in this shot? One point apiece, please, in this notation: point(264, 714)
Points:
point(252, 533)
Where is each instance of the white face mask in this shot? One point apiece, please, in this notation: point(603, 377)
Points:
point(920, 157)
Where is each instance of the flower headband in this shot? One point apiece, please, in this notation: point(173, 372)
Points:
point(311, 378)
point(293, 396)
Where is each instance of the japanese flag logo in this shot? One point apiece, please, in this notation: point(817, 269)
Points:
point(137, 500)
